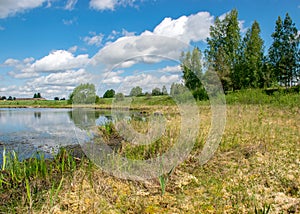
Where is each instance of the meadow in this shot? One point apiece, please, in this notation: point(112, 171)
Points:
point(256, 168)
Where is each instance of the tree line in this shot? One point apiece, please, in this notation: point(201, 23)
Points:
point(241, 62)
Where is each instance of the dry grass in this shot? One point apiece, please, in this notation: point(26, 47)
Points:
point(257, 164)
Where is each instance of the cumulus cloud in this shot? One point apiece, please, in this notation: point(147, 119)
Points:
point(185, 28)
point(55, 84)
point(66, 78)
point(58, 60)
point(94, 39)
point(127, 51)
point(11, 7)
point(110, 4)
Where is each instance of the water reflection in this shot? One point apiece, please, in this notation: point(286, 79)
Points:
point(29, 130)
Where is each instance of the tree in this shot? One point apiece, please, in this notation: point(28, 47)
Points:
point(164, 90)
point(284, 52)
point(176, 89)
point(249, 73)
point(56, 98)
point(192, 72)
point(109, 93)
point(119, 97)
point(136, 91)
point(223, 48)
point(156, 92)
point(83, 94)
point(39, 95)
point(35, 95)
point(192, 69)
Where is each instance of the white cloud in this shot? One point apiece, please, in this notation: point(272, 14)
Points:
point(71, 4)
point(185, 28)
point(11, 7)
point(66, 78)
point(73, 49)
point(170, 69)
point(11, 62)
point(110, 4)
point(145, 80)
point(127, 33)
point(70, 21)
point(58, 60)
point(55, 84)
point(117, 34)
point(2, 28)
point(59, 84)
point(94, 39)
point(127, 51)
point(22, 75)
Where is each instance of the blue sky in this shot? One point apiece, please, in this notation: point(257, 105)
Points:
point(51, 46)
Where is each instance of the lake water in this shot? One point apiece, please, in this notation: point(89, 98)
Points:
point(28, 130)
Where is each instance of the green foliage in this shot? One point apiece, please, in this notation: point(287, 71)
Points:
point(27, 180)
point(83, 94)
point(109, 93)
point(265, 210)
point(192, 74)
point(156, 92)
point(164, 90)
point(192, 69)
point(248, 73)
point(37, 95)
point(136, 91)
point(223, 48)
point(119, 97)
point(284, 52)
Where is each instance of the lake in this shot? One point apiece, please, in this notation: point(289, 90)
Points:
point(29, 130)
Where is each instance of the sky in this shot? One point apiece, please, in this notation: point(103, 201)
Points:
point(52, 46)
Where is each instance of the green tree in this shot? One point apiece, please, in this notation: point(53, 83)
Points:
point(176, 88)
point(192, 69)
point(156, 92)
point(109, 93)
point(83, 94)
point(192, 72)
point(119, 97)
point(136, 91)
point(164, 90)
point(284, 52)
point(223, 48)
point(249, 73)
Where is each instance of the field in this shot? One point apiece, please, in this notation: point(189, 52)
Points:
point(256, 168)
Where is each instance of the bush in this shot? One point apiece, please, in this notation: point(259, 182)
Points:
point(119, 97)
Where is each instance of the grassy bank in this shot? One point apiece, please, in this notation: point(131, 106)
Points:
point(256, 167)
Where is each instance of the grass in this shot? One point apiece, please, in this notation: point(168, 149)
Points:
point(256, 168)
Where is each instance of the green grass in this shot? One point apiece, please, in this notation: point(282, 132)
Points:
point(23, 184)
point(34, 103)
